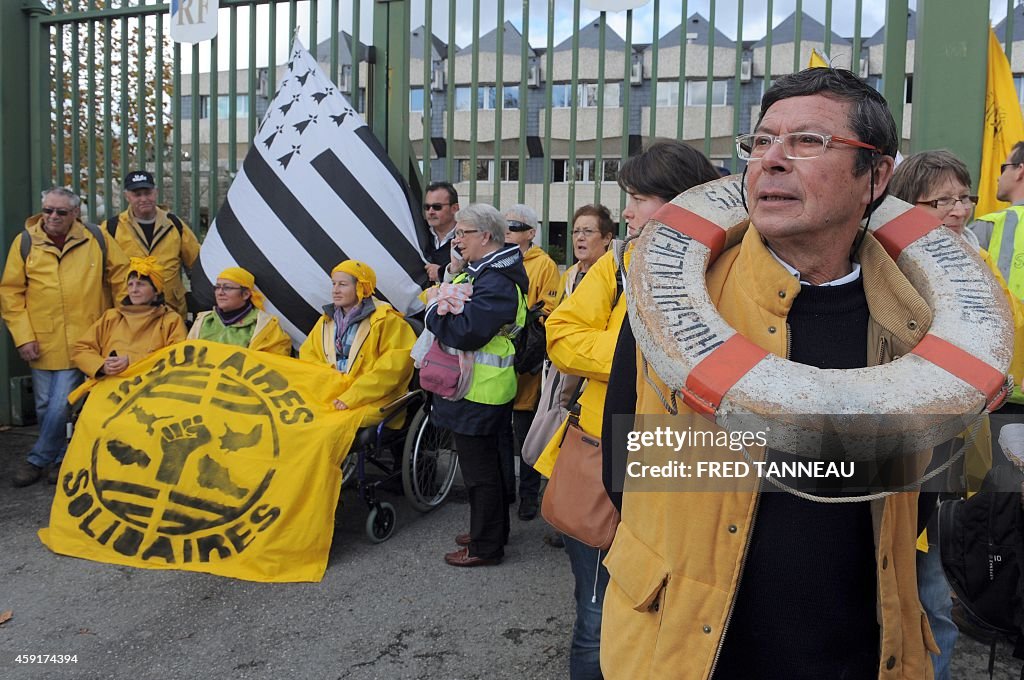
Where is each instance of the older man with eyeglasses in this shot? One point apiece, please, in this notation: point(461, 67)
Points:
point(61, 275)
point(743, 583)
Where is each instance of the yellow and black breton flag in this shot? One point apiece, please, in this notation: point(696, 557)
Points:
point(206, 457)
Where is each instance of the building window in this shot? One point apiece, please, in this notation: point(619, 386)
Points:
point(487, 97)
point(561, 95)
point(416, 99)
point(697, 90)
point(223, 106)
point(585, 170)
point(667, 93)
point(485, 171)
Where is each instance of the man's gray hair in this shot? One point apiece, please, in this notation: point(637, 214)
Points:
point(485, 218)
point(73, 198)
point(527, 215)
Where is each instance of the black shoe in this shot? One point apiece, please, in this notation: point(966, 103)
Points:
point(25, 474)
point(528, 508)
point(554, 540)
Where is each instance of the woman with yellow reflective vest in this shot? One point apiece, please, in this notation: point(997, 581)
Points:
point(582, 335)
point(141, 324)
point(238, 317)
point(494, 312)
point(366, 339)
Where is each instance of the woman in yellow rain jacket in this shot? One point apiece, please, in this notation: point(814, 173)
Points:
point(141, 324)
point(582, 333)
point(364, 338)
point(239, 319)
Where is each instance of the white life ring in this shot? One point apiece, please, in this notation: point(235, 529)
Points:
point(906, 406)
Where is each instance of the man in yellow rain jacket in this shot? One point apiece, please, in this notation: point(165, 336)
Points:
point(740, 583)
point(543, 275)
point(61, 275)
point(147, 230)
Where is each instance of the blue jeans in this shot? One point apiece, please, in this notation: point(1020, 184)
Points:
point(591, 580)
point(51, 394)
point(933, 590)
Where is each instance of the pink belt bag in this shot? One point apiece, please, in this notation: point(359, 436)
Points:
point(446, 372)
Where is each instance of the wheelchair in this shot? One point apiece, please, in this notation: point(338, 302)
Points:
point(422, 455)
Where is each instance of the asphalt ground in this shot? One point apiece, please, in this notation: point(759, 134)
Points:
point(390, 611)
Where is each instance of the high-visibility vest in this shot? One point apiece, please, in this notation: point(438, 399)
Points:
point(494, 376)
point(1007, 249)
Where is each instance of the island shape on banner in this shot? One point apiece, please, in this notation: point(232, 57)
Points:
point(206, 457)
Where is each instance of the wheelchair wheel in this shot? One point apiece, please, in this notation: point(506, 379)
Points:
point(348, 470)
point(429, 462)
point(380, 523)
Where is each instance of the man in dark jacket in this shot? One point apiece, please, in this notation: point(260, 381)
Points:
point(496, 306)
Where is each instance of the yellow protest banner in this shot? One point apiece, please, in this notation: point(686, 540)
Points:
point(1004, 126)
point(206, 457)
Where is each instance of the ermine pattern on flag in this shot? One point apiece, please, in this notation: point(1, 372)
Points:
point(316, 188)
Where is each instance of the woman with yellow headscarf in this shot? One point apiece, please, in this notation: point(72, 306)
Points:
point(238, 317)
point(366, 339)
point(141, 324)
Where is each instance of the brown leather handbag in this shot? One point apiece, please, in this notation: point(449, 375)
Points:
point(575, 501)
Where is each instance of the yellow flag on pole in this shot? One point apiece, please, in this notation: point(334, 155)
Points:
point(206, 457)
point(817, 60)
point(1004, 125)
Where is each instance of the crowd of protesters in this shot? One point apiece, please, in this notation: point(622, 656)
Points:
point(692, 585)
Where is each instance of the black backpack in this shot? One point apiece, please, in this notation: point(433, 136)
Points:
point(531, 342)
point(981, 541)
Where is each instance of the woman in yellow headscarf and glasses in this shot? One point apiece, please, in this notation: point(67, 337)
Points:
point(366, 339)
point(139, 325)
point(238, 317)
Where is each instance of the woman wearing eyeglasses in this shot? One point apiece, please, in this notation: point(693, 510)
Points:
point(364, 338)
point(940, 183)
point(238, 317)
point(592, 233)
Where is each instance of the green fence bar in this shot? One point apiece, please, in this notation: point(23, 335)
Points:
point(233, 87)
point(252, 75)
point(214, 152)
point(574, 79)
point(90, 139)
point(828, 28)
point(176, 130)
point(858, 10)
point(524, 96)
point(57, 132)
point(626, 87)
point(499, 103)
point(710, 81)
point(271, 58)
point(335, 23)
point(734, 162)
point(797, 31)
point(313, 15)
point(158, 137)
point(125, 114)
point(548, 94)
point(140, 97)
point(108, 164)
point(654, 67)
point(602, 31)
point(894, 63)
point(474, 108)
point(194, 166)
point(768, 47)
point(356, 60)
point(1008, 34)
point(681, 87)
point(449, 136)
point(428, 74)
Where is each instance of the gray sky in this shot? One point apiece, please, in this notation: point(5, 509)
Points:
point(754, 21)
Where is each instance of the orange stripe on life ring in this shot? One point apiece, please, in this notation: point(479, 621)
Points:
point(899, 233)
point(693, 225)
point(715, 375)
point(961, 364)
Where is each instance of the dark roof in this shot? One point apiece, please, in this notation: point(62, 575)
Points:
point(1018, 26)
point(590, 38)
point(438, 48)
point(810, 31)
point(695, 24)
point(512, 45)
point(879, 37)
point(323, 49)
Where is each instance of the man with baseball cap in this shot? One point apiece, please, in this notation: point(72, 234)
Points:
point(147, 230)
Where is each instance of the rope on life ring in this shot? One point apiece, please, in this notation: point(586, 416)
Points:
point(909, 405)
